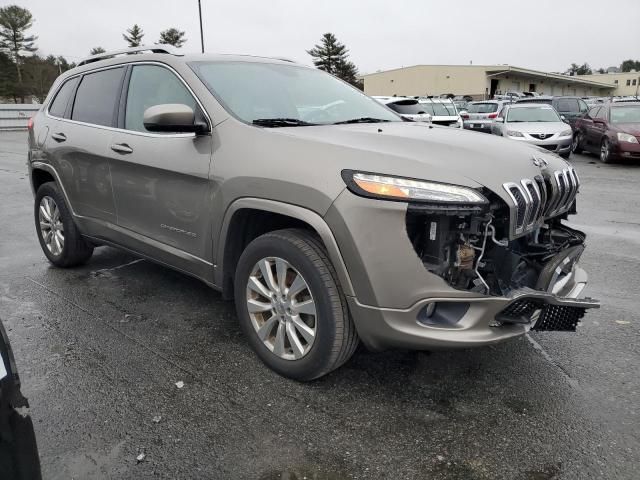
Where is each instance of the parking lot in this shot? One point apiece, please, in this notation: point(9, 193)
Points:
point(100, 349)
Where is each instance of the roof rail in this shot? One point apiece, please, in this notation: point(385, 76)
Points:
point(128, 51)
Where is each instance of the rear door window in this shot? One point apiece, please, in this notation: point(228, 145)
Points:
point(568, 105)
point(97, 97)
point(152, 85)
point(60, 102)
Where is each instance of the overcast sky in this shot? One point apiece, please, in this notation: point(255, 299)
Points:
point(380, 34)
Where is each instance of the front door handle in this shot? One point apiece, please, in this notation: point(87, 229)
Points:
point(121, 148)
point(59, 137)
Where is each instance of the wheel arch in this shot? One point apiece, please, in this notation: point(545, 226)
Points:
point(40, 173)
point(248, 218)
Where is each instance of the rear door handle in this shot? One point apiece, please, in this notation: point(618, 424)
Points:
point(121, 148)
point(59, 137)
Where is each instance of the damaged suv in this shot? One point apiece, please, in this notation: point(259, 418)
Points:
point(327, 217)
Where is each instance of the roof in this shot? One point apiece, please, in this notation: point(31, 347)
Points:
point(497, 69)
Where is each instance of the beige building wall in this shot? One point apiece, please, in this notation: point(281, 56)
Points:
point(428, 80)
point(627, 83)
point(474, 80)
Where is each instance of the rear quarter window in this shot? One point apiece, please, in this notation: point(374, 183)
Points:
point(61, 100)
point(97, 97)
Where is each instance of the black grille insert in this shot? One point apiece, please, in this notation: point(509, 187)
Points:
point(552, 317)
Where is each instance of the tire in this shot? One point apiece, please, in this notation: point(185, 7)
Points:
point(605, 151)
point(334, 339)
point(578, 140)
point(75, 250)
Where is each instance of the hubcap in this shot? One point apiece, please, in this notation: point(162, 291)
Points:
point(281, 308)
point(604, 151)
point(51, 227)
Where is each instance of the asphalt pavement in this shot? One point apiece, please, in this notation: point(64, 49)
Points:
point(101, 348)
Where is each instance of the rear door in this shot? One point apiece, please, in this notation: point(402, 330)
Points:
point(161, 180)
point(78, 143)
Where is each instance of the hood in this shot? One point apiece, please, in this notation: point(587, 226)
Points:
point(630, 128)
point(428, 152)
point(538, 127)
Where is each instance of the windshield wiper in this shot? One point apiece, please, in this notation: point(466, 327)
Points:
point(362, 120)
point(282, 122)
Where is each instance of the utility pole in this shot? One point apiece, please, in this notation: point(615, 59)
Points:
point(201, 32)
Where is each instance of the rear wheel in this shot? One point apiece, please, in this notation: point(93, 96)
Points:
point(59, 237)
point(291, 307)
point(605, 151)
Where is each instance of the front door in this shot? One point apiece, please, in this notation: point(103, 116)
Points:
point(161, 180)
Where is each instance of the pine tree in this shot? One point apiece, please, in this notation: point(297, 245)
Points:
point(134, 39)
point(14, 22)
point(97, 51)
point(347, 71)
point(333, 57)
point(172, 36)
point(329, 54)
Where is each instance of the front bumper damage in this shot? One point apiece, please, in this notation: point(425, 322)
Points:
point(403, 300)
point(446, 323)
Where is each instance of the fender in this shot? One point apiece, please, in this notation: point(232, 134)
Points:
point(309, 217)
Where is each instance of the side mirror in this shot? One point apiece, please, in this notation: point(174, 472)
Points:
point(499, 120)
point(563, 118)
point(173, 117)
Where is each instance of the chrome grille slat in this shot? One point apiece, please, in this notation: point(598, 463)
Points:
point(545, 196)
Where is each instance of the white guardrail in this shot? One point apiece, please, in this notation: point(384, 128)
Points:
point(14, 116)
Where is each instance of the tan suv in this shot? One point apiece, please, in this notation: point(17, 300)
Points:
point(328, 218)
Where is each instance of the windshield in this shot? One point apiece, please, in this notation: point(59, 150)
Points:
point(440, 109)
point(255, 91)
point(630, 114)
point(532, 114)
point(483, 108)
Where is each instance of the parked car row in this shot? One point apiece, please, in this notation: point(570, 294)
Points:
point(608, 127)
point(440, 111)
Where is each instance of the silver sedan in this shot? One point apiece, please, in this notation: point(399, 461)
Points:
point(536, 124)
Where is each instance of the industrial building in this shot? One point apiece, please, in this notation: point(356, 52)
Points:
point(482, 81)
point(625, 83)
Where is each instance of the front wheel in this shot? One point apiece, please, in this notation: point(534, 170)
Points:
point(291, 307)
point(605, 151)
point(578, 141)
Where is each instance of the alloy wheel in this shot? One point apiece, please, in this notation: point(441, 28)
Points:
point(281, 308)
point(51, 227)
point(604, 151)
point(577, 142)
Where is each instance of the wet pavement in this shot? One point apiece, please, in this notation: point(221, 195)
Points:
point(101, 348)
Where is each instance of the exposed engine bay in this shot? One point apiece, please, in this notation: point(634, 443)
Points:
point(478, 249)
point(472, 252)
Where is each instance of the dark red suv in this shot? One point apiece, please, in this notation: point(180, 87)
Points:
point(612, 130)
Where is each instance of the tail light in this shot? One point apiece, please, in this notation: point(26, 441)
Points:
point(465, 116)
point(30, 124)
point(493, 115)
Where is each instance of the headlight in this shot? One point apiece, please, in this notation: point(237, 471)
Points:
point(625, 137)
point(406, 189)
point(511, 133)
point(567, 133)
